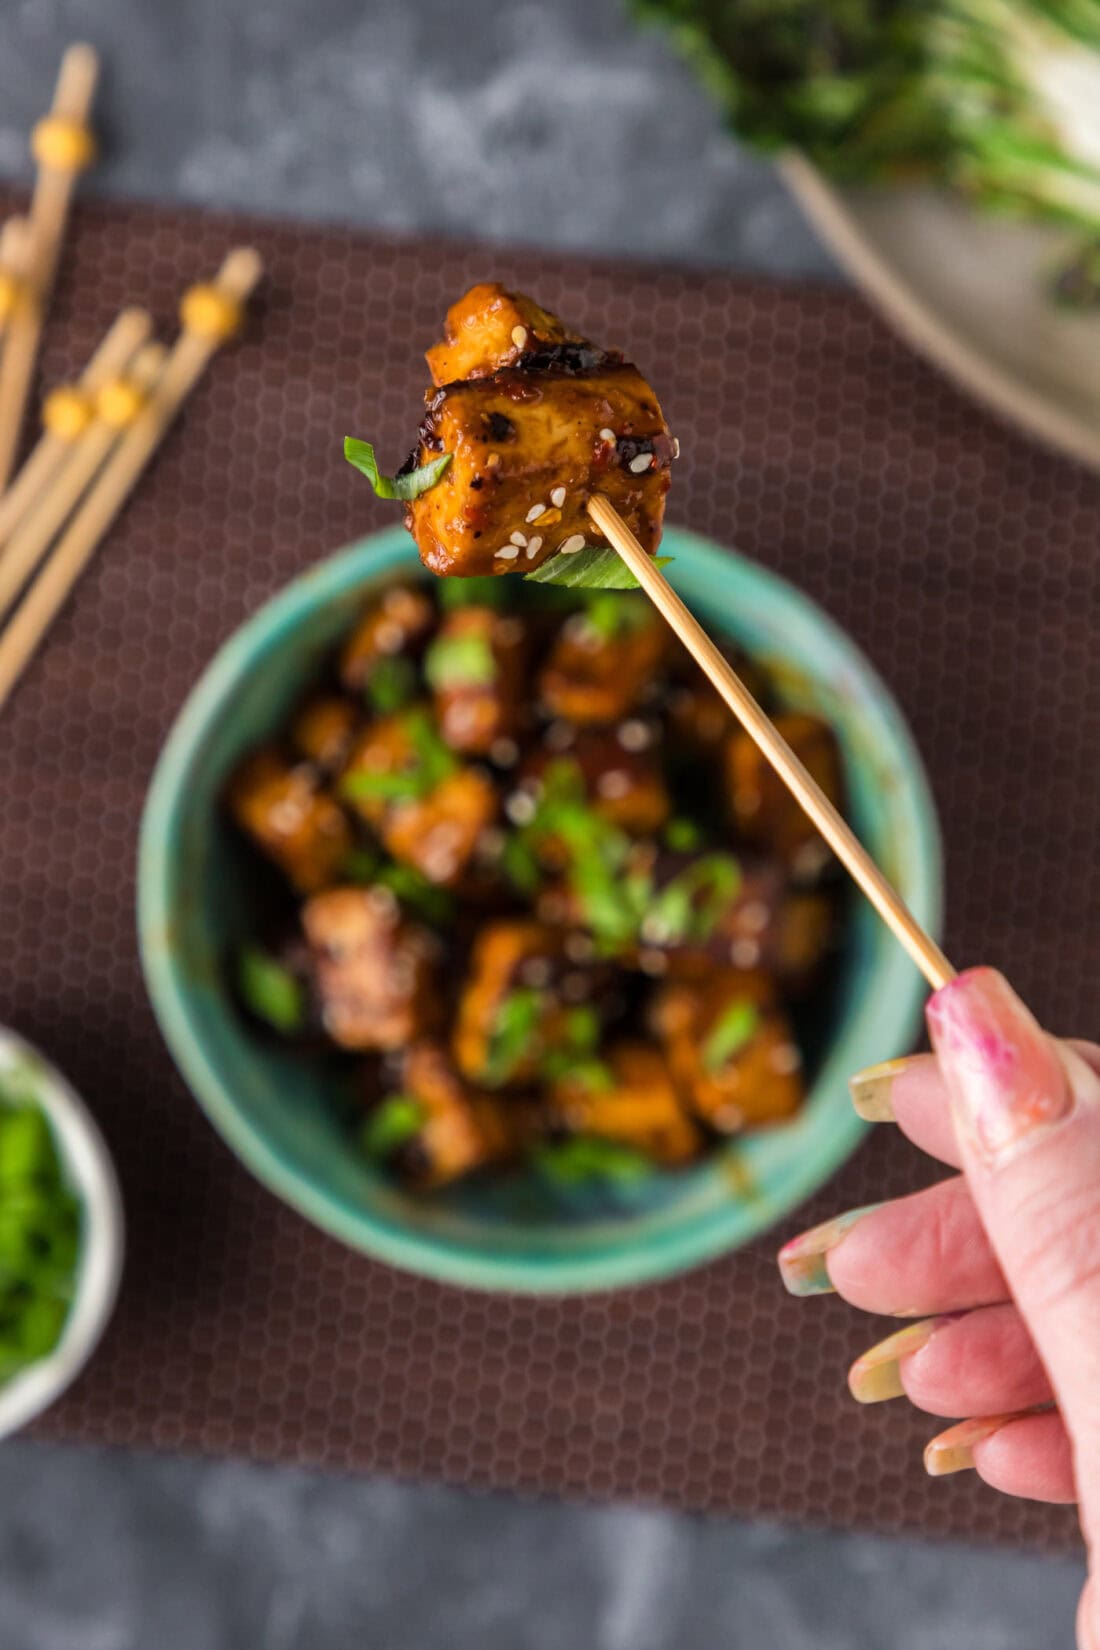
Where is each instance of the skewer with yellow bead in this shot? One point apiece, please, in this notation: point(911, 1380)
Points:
point(63, 146)
point(66, 413)
point(211, 314)
point(110, 410)
point(15, 247)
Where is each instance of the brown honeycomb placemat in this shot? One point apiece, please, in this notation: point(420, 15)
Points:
point(962, 559)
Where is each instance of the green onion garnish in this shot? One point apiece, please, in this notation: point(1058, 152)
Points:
point(736, 1026)
point(270, 991)
point(406, 487)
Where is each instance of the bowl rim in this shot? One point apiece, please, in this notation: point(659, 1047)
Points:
point(90, 1171)
point(891, 1005)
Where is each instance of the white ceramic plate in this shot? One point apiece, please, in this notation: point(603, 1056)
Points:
point(968, 292)
point(90, 1172)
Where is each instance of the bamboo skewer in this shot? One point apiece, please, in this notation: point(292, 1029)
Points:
point(15, 258)
point(66, 413)
point(62, 146)
point(118, 404)
point(210, 315)
point(835, 830)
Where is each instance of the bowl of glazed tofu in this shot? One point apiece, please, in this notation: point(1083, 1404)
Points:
point(487, 941)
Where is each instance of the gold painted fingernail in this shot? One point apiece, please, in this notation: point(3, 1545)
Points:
point(802, 1260)
point(872, 1090)
point(953, 1450)
point(876, 1375)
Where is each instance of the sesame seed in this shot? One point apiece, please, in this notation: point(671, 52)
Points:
point(557, 496)
point(559, 736)
point(642, 462)
point(492, 461)
point(654, 929)
point(535, 971)
point(389, 636)
point(745, 953)
point(613, 786)
point(383, 902)
point(520, 808)
point(579, 948)
point(754, 916)
point(608, 435)
point(536, 510)
point(811, 859)
point(507, 552)
point(519, 336)
point(785, 1059)
point(520, 539)
point(634, 735)
point(653, 962)
point(504, 751)
point(572, 545)
point(533, 547)
point(676, 446)
point(728, 1118)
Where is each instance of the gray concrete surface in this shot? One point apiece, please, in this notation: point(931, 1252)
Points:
point(550, 121)
point(165, 1555)
point(543, 122)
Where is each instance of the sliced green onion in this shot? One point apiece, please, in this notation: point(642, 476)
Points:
point(392, 1123)
point(586, 1159)
point(735, 1027)
point(515, 1029)
point(460, 662)
point(405, 487)
point(270, 991)
point(391, 683)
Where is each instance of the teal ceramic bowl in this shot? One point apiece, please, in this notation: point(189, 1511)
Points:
point(273, 1110)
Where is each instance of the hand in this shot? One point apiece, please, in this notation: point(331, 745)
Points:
point(1000, 1265)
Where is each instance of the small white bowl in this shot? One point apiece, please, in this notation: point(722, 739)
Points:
point(87, 1167)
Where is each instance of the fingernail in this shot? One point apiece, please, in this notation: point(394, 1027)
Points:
point(953, 1450)
point(1006, 1082)
point(872, 1090)
point(802, 1261)
point(877, 1374)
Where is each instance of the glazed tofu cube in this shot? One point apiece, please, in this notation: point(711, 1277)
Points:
point(730, 1049)
point(602, 662)
point(699, 718)
point(529, 446)
point(398, 623)
point(619, 770)
point(291, 819)
point(764, 812)
point(323, 730)
point(375, 972)
point(490, 328)
point(475, 667)
point(634, 1103)
point(525, 1000)
point(461, 1129)
point(404, 781)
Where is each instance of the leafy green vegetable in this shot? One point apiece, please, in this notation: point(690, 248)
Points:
point(406, 487)
point(585, 1159)
point(736, 1026)
point(963, 93)
point(270, 991)
point(393, 1122)
point(460, 661)
point(40, 1222)
point(596, 567)
point(391, 683)
point(514, 1033)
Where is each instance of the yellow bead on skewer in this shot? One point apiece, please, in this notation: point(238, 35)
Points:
point(210, 313)
point(67, 412)
point(119, 402)
point(62, 145)
point(11, 295)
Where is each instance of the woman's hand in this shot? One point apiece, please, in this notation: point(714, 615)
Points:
point(999, 1265)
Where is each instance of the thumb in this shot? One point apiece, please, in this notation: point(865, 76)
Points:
point(1027, 1117)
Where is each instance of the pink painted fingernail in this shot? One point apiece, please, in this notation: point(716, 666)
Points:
point(953, 1450)
point(876, 1375)
point(1006, 1082)
point(802, 1261)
